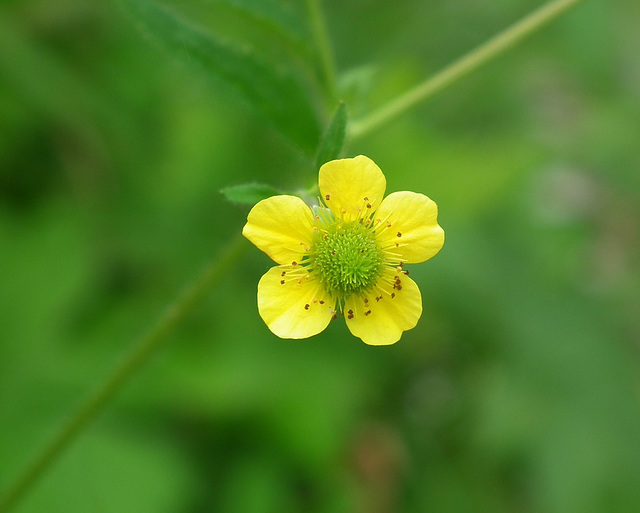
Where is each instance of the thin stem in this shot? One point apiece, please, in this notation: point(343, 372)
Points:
point(462, 67)
point(174, 314)
point(323, 44)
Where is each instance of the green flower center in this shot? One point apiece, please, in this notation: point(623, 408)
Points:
point(346, 258)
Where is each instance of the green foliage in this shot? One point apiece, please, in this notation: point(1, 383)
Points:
point(278, 92)
point(248, 193)
point(281, 14)
point(516, 391)
point(333, 139)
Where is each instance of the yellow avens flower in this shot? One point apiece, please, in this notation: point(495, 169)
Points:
point(346, 255)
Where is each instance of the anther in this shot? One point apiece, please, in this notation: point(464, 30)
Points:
point(368, 312)
point(306, 307)
point(294, 263)
point(283, 273)
point(350, 314)
point(393, 294)
point(327, 197)
point(281, 282)
point(398, 234)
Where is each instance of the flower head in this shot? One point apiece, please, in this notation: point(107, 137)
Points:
point(346, 255)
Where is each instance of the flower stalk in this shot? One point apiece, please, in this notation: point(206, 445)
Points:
point(173, 315)
point(473, 60)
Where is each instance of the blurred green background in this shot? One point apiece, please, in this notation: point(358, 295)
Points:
point(519, 389)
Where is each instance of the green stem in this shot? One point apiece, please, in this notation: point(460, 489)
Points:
point(174, 314)
point(323, 44)
point(462, 67)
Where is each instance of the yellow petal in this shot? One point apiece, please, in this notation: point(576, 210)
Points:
point(292, 303)
point(409, 227)
point(281, 226)
point(352, 188)
point(380, 317)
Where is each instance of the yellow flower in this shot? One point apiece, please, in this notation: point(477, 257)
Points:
point(345, 255)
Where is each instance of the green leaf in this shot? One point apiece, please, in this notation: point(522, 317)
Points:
point(280, 94)
point(333, 139)
point(249, 193)
point(284, 15)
